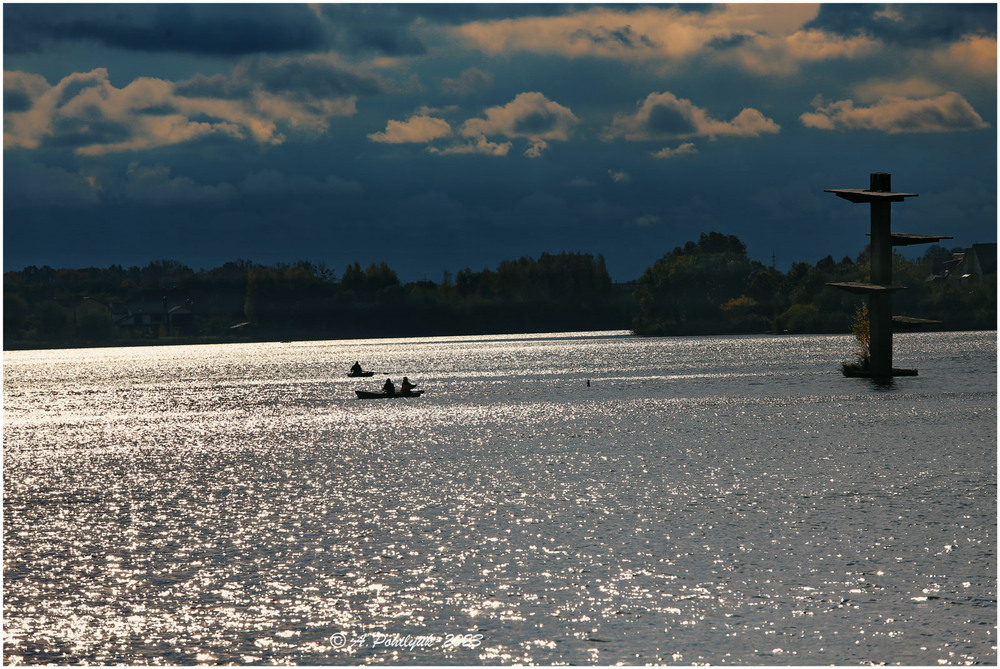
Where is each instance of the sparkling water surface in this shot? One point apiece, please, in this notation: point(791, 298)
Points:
point(721, 500)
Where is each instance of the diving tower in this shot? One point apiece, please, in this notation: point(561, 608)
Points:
point(880, 288)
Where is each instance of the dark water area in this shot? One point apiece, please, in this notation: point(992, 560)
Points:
point(584, 498)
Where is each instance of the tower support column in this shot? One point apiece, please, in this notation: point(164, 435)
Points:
point(880, 304)
point(880, 196)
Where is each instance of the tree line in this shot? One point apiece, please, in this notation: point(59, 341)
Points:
point(708, 286)
point(243, 300)
point(712, 287)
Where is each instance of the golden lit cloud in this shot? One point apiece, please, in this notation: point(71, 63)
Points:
point(87, 113)
point(665, 116)
point(761, 38)
point(785, 54)
point(974, 55)
point(915, 87)
point(529, 115)
point(650, 32)
point(685, 149)
point(479, 145)
point(416, 129)
point(892, 115)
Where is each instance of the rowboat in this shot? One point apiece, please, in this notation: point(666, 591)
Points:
point(363, 374)
point(366, 395)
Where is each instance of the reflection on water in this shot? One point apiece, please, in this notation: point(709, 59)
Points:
point(704, 500)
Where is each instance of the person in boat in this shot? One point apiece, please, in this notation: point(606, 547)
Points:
point(388, 388)
point(405, 387)
point(356, 369)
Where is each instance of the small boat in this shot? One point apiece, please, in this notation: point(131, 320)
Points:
point(361, 374)
point(365, 395)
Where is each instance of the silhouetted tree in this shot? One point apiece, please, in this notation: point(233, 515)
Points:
point(15, 316)
point(684, 292)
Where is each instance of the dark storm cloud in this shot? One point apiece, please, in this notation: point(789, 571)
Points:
point(316, 78)
point(311, 78)
point(215, 86)
point(909, 24)
point(213, 30)
point(363, 28)
point(669, 121)
point(29, 183)
point(452, 14)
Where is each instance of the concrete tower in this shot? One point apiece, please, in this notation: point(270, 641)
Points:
point(879, 291)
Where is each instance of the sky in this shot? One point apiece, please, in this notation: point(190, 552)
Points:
point(439, 137)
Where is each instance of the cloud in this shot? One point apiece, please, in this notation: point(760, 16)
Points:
point(685, 149)
point(917, 25)
point(890, 13)
point(915, 87)
point(973, 55)
point(892, 115)
point(28, 182)
point(204, 29)
point(477, 145)
point(641, 34)
point(86, 113)
point(155, 185)
point(307, 77)
point(665, 116)
point(535, 148)
point(645, 220)
point(301, 93)
point(760, 38)
point(261, 101)
point(784, 55)
point(953, 40)
point(357, 28)
point(417, 129)
point(620, 177)
point(21, 89)
point(469, 81)
point(531, 116)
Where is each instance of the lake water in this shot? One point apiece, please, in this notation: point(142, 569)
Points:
point(722, 500)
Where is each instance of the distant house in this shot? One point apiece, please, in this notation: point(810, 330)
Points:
point(972, 265)
point(156, 313)
point(944, 266)
point(80, 308)
point(975, 264)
